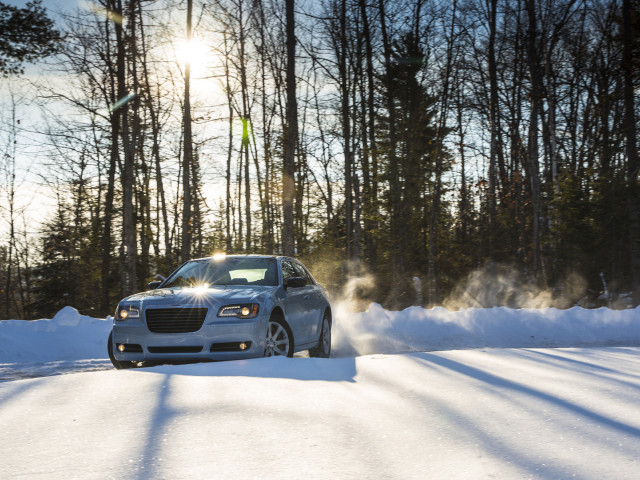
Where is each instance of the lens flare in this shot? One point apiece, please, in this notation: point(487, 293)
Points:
point(201, 289)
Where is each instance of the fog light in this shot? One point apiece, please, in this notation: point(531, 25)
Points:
point(121, 347)
point(243, 346)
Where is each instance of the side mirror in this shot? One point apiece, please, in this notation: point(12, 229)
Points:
point(295, 282)
point(154, 285)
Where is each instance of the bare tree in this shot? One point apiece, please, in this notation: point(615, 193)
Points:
point(291, 135)
point(187, 158)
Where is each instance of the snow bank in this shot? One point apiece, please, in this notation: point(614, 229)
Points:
point(71, 336)
point(416, 329)
point(67, 336)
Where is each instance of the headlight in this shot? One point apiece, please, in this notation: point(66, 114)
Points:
point(127, 311)
point(245, 310)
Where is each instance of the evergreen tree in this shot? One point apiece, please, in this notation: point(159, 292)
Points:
point(26, 34)
point(418, 163)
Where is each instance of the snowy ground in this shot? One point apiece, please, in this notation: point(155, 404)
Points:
point(482, 412)
point(71, 342)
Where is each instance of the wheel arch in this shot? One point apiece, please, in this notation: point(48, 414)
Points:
point(277, 310)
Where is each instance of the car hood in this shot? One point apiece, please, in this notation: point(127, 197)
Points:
point(192, 296)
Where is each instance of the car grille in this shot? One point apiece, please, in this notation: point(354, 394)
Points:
point(175, 320)
point(174, 349)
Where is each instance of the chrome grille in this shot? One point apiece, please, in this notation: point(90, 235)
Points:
point(175, 320)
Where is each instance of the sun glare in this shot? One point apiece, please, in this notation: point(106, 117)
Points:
point(200, 289)
point(195, 53)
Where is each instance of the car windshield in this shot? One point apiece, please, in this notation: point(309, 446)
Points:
point(225, 271)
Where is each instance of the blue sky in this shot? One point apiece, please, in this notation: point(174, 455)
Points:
point(50, 5)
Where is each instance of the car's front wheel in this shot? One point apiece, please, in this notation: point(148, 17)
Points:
point(323, 349)
point(119, 365)
point(279, 338)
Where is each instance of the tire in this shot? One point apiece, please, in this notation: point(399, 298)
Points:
point(119, 365)
point(323, 350)
point(279, 341)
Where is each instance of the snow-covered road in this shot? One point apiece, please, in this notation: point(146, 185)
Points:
point(399, 401)
point(512, 413)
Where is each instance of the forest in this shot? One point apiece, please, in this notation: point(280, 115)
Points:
point(417, 144)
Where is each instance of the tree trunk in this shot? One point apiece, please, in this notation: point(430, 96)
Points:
point(244, 149)
point(397, 259)
point(229, 244)
point(187, 220)
point(291, 136)
point(493, 115)
point(268, 240)
point(11, 194)
point(371, 183)
point(155, 149)
point(346, 132)
point(533, 163)
point(432, 258)
point(114, 160)
point(128, 225)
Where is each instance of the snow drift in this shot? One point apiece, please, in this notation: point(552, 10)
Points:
point(67, 336)
point(417, 329)
point(72, 336)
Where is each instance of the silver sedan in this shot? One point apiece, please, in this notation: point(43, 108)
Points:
point(221, 308)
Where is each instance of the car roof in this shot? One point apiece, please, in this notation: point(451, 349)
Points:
point(239, 255)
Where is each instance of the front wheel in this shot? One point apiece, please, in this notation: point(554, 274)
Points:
point(279, 338)
point(119, 365)
point(323, 349)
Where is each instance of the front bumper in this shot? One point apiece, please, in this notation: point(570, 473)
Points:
point(216, 340)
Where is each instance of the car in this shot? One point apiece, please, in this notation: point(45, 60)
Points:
point(224, 307)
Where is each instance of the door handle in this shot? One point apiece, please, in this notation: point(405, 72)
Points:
point(306, 297)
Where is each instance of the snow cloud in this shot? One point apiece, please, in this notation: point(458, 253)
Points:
point(501, 285)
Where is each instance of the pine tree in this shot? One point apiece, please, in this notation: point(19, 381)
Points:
point(26, 35)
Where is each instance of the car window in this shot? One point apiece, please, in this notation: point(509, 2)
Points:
point(302, 272)
point(250, 275)
point(287, 270)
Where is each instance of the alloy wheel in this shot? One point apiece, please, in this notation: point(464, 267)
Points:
point(277, 340)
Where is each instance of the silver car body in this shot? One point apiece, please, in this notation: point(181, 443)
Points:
point(302, 307)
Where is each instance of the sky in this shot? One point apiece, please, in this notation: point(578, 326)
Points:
point(34, 200)
point(32, 197)
point(49, 4)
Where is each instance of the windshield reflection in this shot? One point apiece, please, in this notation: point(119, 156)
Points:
point(228, 271)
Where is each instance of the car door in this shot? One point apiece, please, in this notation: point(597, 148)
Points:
point(313, 303)
point(294, 301)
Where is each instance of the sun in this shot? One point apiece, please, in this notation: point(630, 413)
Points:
point(195, 53)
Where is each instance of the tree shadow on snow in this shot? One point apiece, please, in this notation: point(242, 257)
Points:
point(504, 383)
